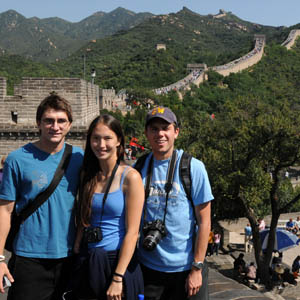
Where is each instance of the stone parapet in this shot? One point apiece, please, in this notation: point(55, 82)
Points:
point(290, 41)
point(245, 61)
point(21, 108)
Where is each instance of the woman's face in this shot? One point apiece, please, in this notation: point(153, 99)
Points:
point(104, 142)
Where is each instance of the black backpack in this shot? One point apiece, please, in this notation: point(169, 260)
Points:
point(184, 171)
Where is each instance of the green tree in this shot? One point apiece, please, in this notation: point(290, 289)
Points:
point(247, 149)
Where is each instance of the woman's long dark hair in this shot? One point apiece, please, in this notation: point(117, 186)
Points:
point(91, 166)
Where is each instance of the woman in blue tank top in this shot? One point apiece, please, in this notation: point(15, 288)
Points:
point(111, 199)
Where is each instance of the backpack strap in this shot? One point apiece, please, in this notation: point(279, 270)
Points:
point(184, 171)
point(185, 174)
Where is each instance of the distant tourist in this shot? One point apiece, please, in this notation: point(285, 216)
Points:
point(251, 272)
point(291, 226)
point(296, 266)
point(297, 222)
point(239, 264)
point(248, 237)
point(217, 241)
point(210, 247)
point(261, 224)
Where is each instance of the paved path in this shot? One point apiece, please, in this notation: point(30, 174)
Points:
point(221, 286)
point(236, 236)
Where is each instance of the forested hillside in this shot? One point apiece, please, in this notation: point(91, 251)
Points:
point(51, 39)
point(128, 59)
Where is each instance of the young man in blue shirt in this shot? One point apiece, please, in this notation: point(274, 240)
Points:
point(40, 260)
point(174, 268)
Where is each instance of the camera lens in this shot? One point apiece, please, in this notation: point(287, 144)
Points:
point(151, 240)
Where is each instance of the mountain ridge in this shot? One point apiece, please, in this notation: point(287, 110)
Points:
point(54, 38)
point(128, 57)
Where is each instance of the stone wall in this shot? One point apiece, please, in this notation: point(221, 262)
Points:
point(17, 112)
point(244, 62)
point(107, 97)
point(198, 75)
point(13, 139)
point(289, 42)
point(20, 109)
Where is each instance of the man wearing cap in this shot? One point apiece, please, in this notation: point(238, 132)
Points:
point(174, 268)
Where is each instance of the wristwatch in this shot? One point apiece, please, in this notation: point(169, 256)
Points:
point(198, 265)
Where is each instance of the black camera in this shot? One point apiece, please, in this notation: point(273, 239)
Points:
point(153, 233)
point(92, 234)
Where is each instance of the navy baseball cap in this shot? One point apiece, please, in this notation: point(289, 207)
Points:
point(161, 112)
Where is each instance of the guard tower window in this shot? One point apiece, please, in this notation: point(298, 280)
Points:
point(14, 116)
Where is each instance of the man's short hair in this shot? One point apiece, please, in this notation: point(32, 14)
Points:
point(55, 102)
point(161, 112)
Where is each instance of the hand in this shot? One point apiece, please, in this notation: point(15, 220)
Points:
point(114, 291)
point(4, 271)
point(76, 249)
point(193, 282)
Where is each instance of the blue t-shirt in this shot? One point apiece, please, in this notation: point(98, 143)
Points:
point(49, 232)
point(290, 224)
point(248, 231)
point(174, 253)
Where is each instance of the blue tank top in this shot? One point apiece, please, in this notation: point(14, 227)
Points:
point(113, 219)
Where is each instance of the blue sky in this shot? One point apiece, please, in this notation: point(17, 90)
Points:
point(266, 12)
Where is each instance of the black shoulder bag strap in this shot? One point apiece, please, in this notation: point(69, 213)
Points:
point(18, 219)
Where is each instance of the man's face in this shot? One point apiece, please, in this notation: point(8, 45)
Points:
point(161, 136)
point(54, 126)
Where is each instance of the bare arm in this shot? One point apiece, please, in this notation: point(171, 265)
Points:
point(194, 280)
point(6, 208)
point(79, 234)
point(134, 189)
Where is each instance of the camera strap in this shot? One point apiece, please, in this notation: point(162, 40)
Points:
point(113, 173)
point(168, 185)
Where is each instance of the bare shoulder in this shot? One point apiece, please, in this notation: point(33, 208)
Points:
point(132, 175)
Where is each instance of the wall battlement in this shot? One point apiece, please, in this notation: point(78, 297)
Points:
point(18, 112)
point(198, 76)
point(20, 109)
point(244, 62)
point(290, 41)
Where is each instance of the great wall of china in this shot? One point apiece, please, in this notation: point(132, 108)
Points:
point(17, 112)
point(253, 57)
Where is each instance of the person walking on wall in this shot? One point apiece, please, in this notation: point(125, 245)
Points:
point(210, 246)
point(171, 250)
point(217, 241)
point(42, 248)
point(248, 237)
